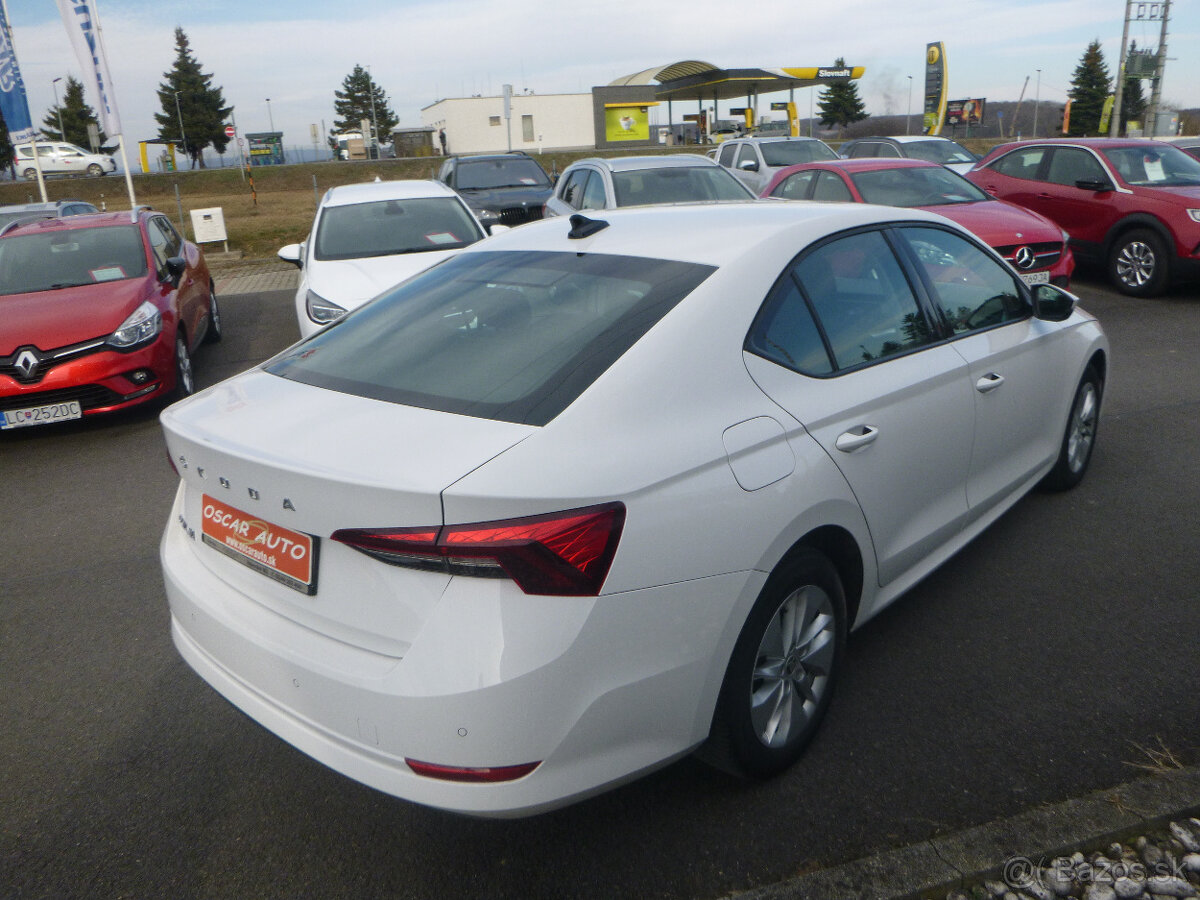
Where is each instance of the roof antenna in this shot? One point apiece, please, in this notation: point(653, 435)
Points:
point(582, 226)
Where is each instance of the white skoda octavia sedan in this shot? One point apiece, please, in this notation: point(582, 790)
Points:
point(603, 491)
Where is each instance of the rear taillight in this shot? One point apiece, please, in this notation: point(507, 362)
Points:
point(566, 553)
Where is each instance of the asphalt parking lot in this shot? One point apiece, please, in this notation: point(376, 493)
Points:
point(1025, 671)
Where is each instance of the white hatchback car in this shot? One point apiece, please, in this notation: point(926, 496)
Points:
point(58, 158)
point(643, 181)
point(366, 238)
point(599, 492)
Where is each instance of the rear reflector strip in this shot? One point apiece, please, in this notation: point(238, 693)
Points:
point(472, 774)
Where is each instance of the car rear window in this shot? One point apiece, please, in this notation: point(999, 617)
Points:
point(390, 227)
point(69, 258)
point(790, 153)
point(484, 174)
point(513, 336)
point(677, 184)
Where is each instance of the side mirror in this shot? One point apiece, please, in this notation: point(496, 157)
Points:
point(749, 165)
point(176, 266)
point(293, 253)
point(1052, 304)
point(1094, 184)
point(497, 228)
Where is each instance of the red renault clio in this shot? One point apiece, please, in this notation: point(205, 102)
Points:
point(98, 313)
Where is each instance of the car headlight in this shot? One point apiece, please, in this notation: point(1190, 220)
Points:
point(1195, 214)
point(143, 325)
point(487, 214)
point(322, 311)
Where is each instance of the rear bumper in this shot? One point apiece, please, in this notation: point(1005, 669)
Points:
point(600, 691)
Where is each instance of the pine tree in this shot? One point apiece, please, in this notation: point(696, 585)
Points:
point(1133, 101)
point(76, 116)
point(6, 149)
point(1090, 87)
point(839, 104)
point(353, 103)
point(188, 93)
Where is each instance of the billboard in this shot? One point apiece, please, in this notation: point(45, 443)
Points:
point(935, 87)
point(965, 112)
point(626, 123)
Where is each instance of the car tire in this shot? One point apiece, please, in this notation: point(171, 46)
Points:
point(1139, 264)
point(1079, 439)
point(95, 170)
point(185, 383)
point(30, 174)
point(213, 334)
point(782, 673)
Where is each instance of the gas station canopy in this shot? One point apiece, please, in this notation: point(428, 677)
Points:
point(701, 81)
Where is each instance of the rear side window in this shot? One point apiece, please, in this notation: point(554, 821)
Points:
point(831, 189)
point(862, 299)
point(1020, 163)
point(1070, 164)
point(795, 187)
point(511, 336)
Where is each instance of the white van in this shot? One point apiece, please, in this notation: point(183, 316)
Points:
point(58, 158)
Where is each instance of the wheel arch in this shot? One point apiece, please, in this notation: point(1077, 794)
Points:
point(1139, 220)
point(839, 545)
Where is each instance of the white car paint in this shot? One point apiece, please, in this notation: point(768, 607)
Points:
point(352, 282)
point(724, 461)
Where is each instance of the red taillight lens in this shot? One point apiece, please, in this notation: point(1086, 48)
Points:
point(567, 553)
point(473, 774)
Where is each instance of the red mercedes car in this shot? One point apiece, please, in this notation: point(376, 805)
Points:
point(98, 313)
point(1033, 245)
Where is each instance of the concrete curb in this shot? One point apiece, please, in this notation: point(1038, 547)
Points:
point(934, 867)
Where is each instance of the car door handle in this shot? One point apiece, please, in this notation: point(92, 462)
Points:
point(989, 383)
point(856, 438)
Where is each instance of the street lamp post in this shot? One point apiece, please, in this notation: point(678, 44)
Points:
point(62, 135)
point(270, 118)
point(1037, 100)
point(908, 112)
point(374, 121)
point(179, 113)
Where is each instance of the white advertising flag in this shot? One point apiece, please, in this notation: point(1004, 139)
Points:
point(83, 25)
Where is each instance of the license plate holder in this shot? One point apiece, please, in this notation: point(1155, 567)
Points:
point(1032, 278)
point(281, 554)
point(46, 414)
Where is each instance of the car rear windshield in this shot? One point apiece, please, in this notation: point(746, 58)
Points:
point(677, 184)
point(69, 258)
point(940, 152)
point(916, 187)
point(513, 336)
point(484, 174)
point(1164, 166)
point(791, 153)
point(389, 227)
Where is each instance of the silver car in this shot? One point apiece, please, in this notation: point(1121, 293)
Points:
point(642, 181)
point(755, 160)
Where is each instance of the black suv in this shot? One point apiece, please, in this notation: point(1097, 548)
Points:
point(504, 188)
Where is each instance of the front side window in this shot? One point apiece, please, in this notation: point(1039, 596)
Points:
point(973, 290)
point(391, 227)
point(593, 193)
point(746, 155)
point(571, 192)
point(511, 336)
point(865, 306)
point(1070, 164)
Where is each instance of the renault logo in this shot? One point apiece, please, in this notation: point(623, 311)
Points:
point(1024, 258)
point(26, 363)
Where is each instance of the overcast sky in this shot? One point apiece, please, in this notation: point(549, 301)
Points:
point(297, 53)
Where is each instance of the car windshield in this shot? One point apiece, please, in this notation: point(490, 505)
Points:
point(940, 152)
point(513, 336)
point(69, 258)
point(677, 184)
point(1164, 166)
point(482, 174)
point(916, 187)
point(389, 227)
point(790, 153)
